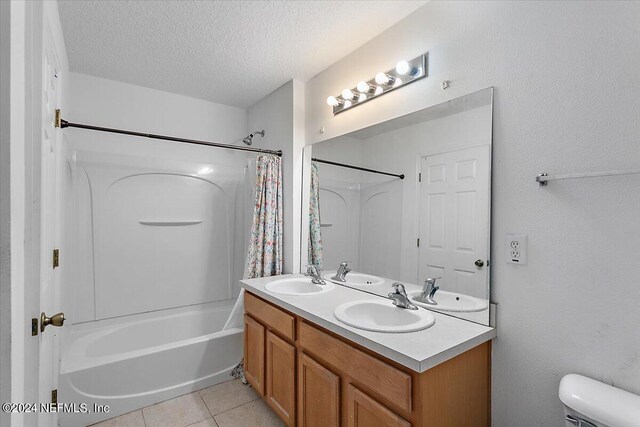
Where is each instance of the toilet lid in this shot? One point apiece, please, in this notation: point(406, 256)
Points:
point(601, 402)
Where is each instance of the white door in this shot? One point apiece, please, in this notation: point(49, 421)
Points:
point(454, 219)
point(49, 352)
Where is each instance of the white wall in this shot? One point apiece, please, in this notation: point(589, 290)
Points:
point(103, 102)
point(567, 100)
point(280, 115)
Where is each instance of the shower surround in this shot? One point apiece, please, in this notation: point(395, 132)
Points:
point(158, 245)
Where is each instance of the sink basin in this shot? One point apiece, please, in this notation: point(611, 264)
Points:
point(452, 301)
point(382, 316)
point(297, 286)
point(358, 279)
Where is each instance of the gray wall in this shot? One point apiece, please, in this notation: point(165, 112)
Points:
point(567, 100)
point(278, 114)
point(5, 210)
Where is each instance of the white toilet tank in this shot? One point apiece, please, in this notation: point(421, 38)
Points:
point(590, 403)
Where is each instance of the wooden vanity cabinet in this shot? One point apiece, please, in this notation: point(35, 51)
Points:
point(314, 378)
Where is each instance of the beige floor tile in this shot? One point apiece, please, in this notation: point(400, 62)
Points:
point(228, 395)
point(253, 414)
point(178, 412)
point(131, 419)
point(209, 422)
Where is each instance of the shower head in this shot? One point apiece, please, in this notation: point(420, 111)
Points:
point(249, 138)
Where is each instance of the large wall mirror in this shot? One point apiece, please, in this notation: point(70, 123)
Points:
point(404, 201)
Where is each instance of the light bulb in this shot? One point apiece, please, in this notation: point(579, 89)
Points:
point(403, 67)
point(363, 87)
point(347, 94)
point(397, 83)
point(333, 101)
point(362, 97)
point(382, 78)
point(347, 104)
point(378, 90)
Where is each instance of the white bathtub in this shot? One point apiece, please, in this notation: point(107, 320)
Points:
point(131, 364)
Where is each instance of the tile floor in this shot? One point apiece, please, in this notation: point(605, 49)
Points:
point(229, 404)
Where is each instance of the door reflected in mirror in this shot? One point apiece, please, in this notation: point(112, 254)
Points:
point(407, 200)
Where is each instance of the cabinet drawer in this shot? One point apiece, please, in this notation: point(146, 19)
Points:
point(273, 317)
point(380, 377)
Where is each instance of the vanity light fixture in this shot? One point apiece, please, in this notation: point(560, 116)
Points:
point(404, 73)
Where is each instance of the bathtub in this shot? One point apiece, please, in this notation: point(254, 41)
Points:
point(129, 364)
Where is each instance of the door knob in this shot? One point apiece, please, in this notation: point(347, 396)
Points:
point(479, 263)
point(55, 320)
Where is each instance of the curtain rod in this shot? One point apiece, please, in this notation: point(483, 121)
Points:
point(66, 124)
point(344, 165)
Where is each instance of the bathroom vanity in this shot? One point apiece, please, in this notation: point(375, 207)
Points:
point(313, 370)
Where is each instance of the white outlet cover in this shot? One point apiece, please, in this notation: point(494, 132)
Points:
point(516, 248)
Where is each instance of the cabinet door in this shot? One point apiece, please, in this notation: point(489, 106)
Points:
point(281, 375)
point(254, 354)
point(366, 412)
point(318, 395)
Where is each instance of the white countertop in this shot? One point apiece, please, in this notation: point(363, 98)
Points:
point(419, 351)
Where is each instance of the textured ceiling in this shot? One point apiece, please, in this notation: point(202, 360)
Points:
point(231, 52)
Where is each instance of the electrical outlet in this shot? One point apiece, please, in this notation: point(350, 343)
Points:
point(516, 248)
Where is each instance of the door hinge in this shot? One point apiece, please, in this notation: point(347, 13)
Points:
point(420, 177)
point(418, 242)
point(58, 119)
point(34, 326)
point(56, 258)
point(54, 396)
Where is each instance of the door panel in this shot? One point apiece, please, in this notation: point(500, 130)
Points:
point(318, 394)
point(454, 219)
point(254, 354)
point(280, 377)
point(366, 412)
point(49, 352)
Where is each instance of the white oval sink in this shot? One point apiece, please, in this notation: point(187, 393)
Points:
point(382, 316)
point(297, 286)
point(452, 301)
point(357, 279)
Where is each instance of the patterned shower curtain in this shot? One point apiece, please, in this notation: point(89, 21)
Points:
point(314, 255)
point(264, 257)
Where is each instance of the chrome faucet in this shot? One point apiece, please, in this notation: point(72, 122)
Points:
point(429, 291)
point(400, 298)
point(314, 272)
point(342, 272)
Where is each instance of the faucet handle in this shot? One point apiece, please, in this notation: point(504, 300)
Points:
point(312, 270)
point(398, 288)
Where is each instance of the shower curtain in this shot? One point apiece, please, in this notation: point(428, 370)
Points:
point(314, 255)
point(264, 257)
point(265, 246)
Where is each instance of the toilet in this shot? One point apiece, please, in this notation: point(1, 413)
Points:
point(590, 403)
